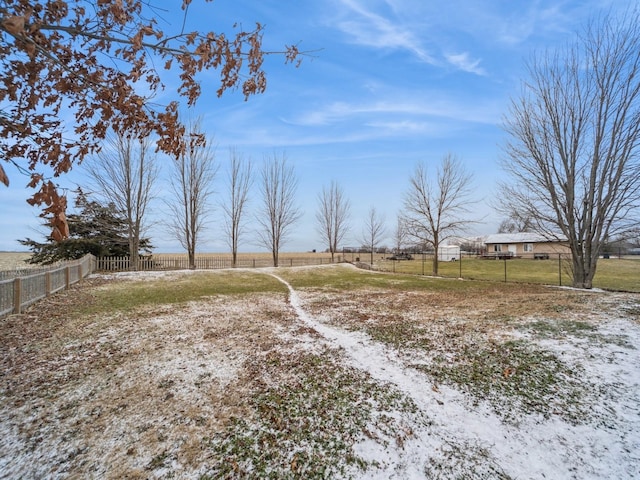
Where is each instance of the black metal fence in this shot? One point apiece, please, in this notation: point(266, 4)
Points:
point(549, 268)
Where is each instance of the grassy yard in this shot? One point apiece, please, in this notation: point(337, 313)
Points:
point(621, 274)
point(218, 374)
point(618, 274)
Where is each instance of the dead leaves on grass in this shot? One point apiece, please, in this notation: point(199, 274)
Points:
point(145, 386)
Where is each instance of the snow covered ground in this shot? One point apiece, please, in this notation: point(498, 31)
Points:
point(170, 391)
point(535, 448)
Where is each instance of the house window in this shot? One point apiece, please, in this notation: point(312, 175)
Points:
point(528, 247)
point(497, 248)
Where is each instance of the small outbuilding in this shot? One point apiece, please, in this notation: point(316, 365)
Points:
point(448, 253)
point(526, 245)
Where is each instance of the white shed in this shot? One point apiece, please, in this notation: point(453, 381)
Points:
point(448, 253)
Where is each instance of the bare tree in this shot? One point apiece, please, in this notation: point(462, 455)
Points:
point(279, 213)
point(373, 231)
point(573, 154)
point(516, 222)
point(436, 207)
point(400, 234)
point(332, 216)
point(192, 187)
point(633, 237)
point(239, 181)
point(124, 173)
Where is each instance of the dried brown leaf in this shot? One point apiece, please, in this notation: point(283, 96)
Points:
point(14, 24)
point(3, 176)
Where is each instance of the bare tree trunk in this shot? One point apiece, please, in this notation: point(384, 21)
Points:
point(373, 231)
point(435, 262)
point(239, 181)
point(278, 213)
point(124, 173)
point(332, 216)
point(400, 233)
point(435, 208)
point(191, 184)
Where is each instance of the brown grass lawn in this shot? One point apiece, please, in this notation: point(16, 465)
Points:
point(214, 380)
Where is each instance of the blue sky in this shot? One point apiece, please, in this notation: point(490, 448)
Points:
point(390, 83)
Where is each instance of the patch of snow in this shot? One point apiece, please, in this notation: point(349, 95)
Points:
point(536, 448)
point(448, 432)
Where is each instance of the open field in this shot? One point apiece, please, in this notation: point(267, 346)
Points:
point(251, 256)
point(14, 260)
point(320, 372)
point(612, 273)
point(618, 274)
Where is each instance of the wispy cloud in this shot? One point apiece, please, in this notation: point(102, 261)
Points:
point(520, 22)
point(462, 61)
point(365, 26)
point(455, 34)
point(407, 127)
point(414, 27)
point(407, 109)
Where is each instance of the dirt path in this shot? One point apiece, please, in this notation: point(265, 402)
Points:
point(533, 449)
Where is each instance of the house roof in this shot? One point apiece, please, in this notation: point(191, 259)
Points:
point(524, 237)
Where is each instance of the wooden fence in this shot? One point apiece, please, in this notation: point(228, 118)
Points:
point(27, 287)
point(208, 262)
point(19, 289)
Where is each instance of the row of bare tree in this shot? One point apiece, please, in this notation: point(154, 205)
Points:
point(125, 172)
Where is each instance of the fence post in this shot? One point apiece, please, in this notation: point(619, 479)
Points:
point(460, 276)
point(47, 283)
point(505, 269)
point(560, 269)
point(17, 294)
point(67, 277)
